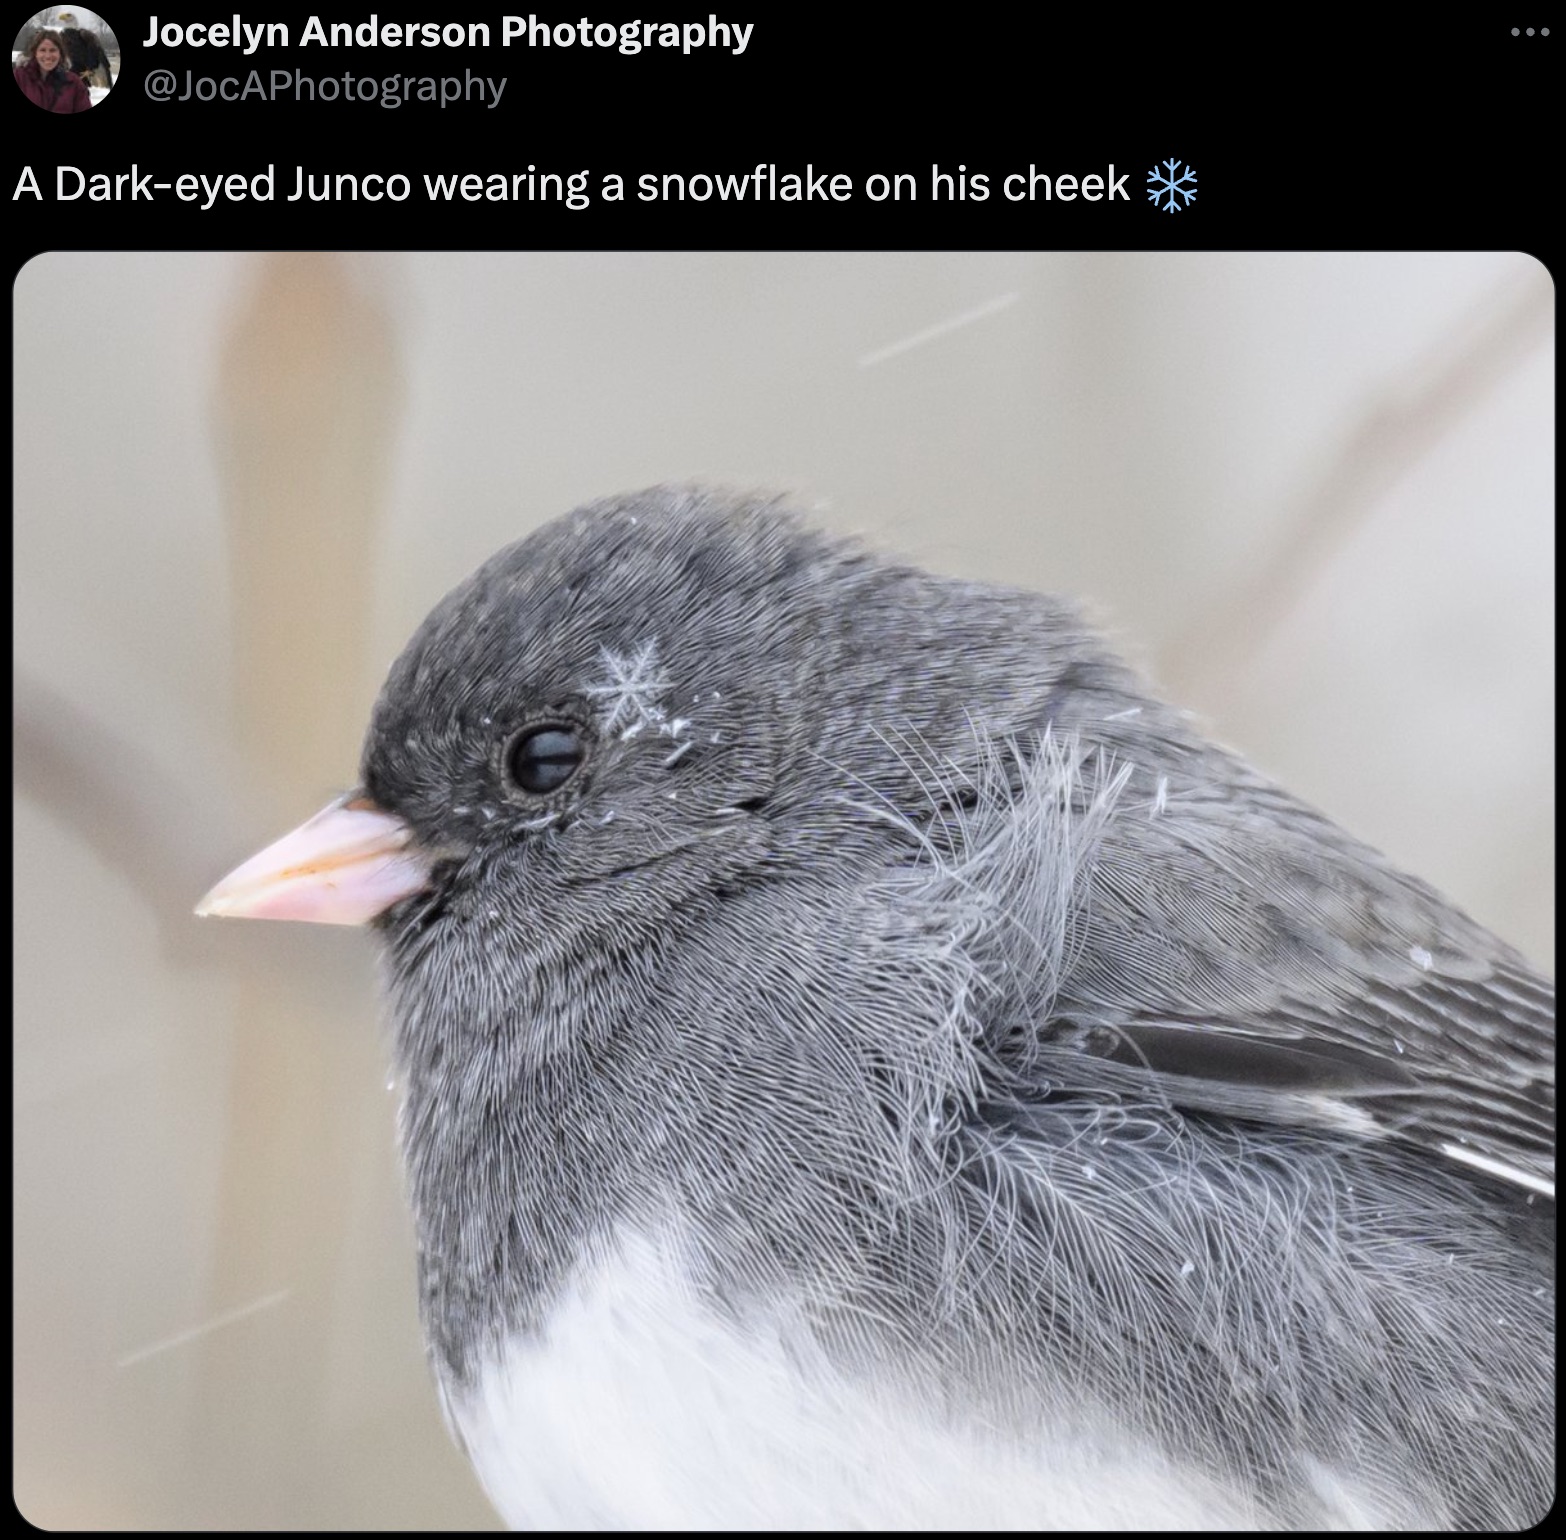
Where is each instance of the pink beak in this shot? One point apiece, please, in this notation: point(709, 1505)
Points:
point(346, 865)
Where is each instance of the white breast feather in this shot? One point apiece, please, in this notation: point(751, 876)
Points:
point(639, 1409)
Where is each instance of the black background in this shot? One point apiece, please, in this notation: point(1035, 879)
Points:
point(1313, 133)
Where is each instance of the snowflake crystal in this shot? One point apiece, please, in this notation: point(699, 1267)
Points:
point(631, 688)
point(631, 694)
point(1163, 183)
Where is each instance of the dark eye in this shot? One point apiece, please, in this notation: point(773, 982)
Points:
point(544, 758)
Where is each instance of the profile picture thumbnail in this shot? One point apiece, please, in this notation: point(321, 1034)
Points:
point(65, 59)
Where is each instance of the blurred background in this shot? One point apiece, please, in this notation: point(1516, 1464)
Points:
point(1311, 494)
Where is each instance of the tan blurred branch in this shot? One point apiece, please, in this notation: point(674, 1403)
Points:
point(305, 418)
point(165, 834)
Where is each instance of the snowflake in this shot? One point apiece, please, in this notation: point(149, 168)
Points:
point(631, 690)
point(631, 693)
point(1164, 184)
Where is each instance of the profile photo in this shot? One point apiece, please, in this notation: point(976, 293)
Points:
point(65, 59)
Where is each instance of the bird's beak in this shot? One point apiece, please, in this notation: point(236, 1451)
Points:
point(346, 865)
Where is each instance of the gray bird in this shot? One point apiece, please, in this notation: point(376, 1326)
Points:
point(866, 1062)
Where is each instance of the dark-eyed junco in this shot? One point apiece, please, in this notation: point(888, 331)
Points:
point(868, 1062)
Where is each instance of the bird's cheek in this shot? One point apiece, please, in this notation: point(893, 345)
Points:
point(346, 865)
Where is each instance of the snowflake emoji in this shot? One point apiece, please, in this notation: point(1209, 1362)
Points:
point(1166, 188)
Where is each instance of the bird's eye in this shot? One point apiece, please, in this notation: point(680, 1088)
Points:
point(545, 757)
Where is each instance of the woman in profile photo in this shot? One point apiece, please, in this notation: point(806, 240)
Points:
point(46, 81)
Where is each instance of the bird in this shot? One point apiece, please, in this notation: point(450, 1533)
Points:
point(867, 1060)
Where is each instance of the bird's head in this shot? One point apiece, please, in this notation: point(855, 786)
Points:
point(638, 703)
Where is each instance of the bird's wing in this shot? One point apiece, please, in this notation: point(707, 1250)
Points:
point(1469, 1094)
point(1239, 954)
